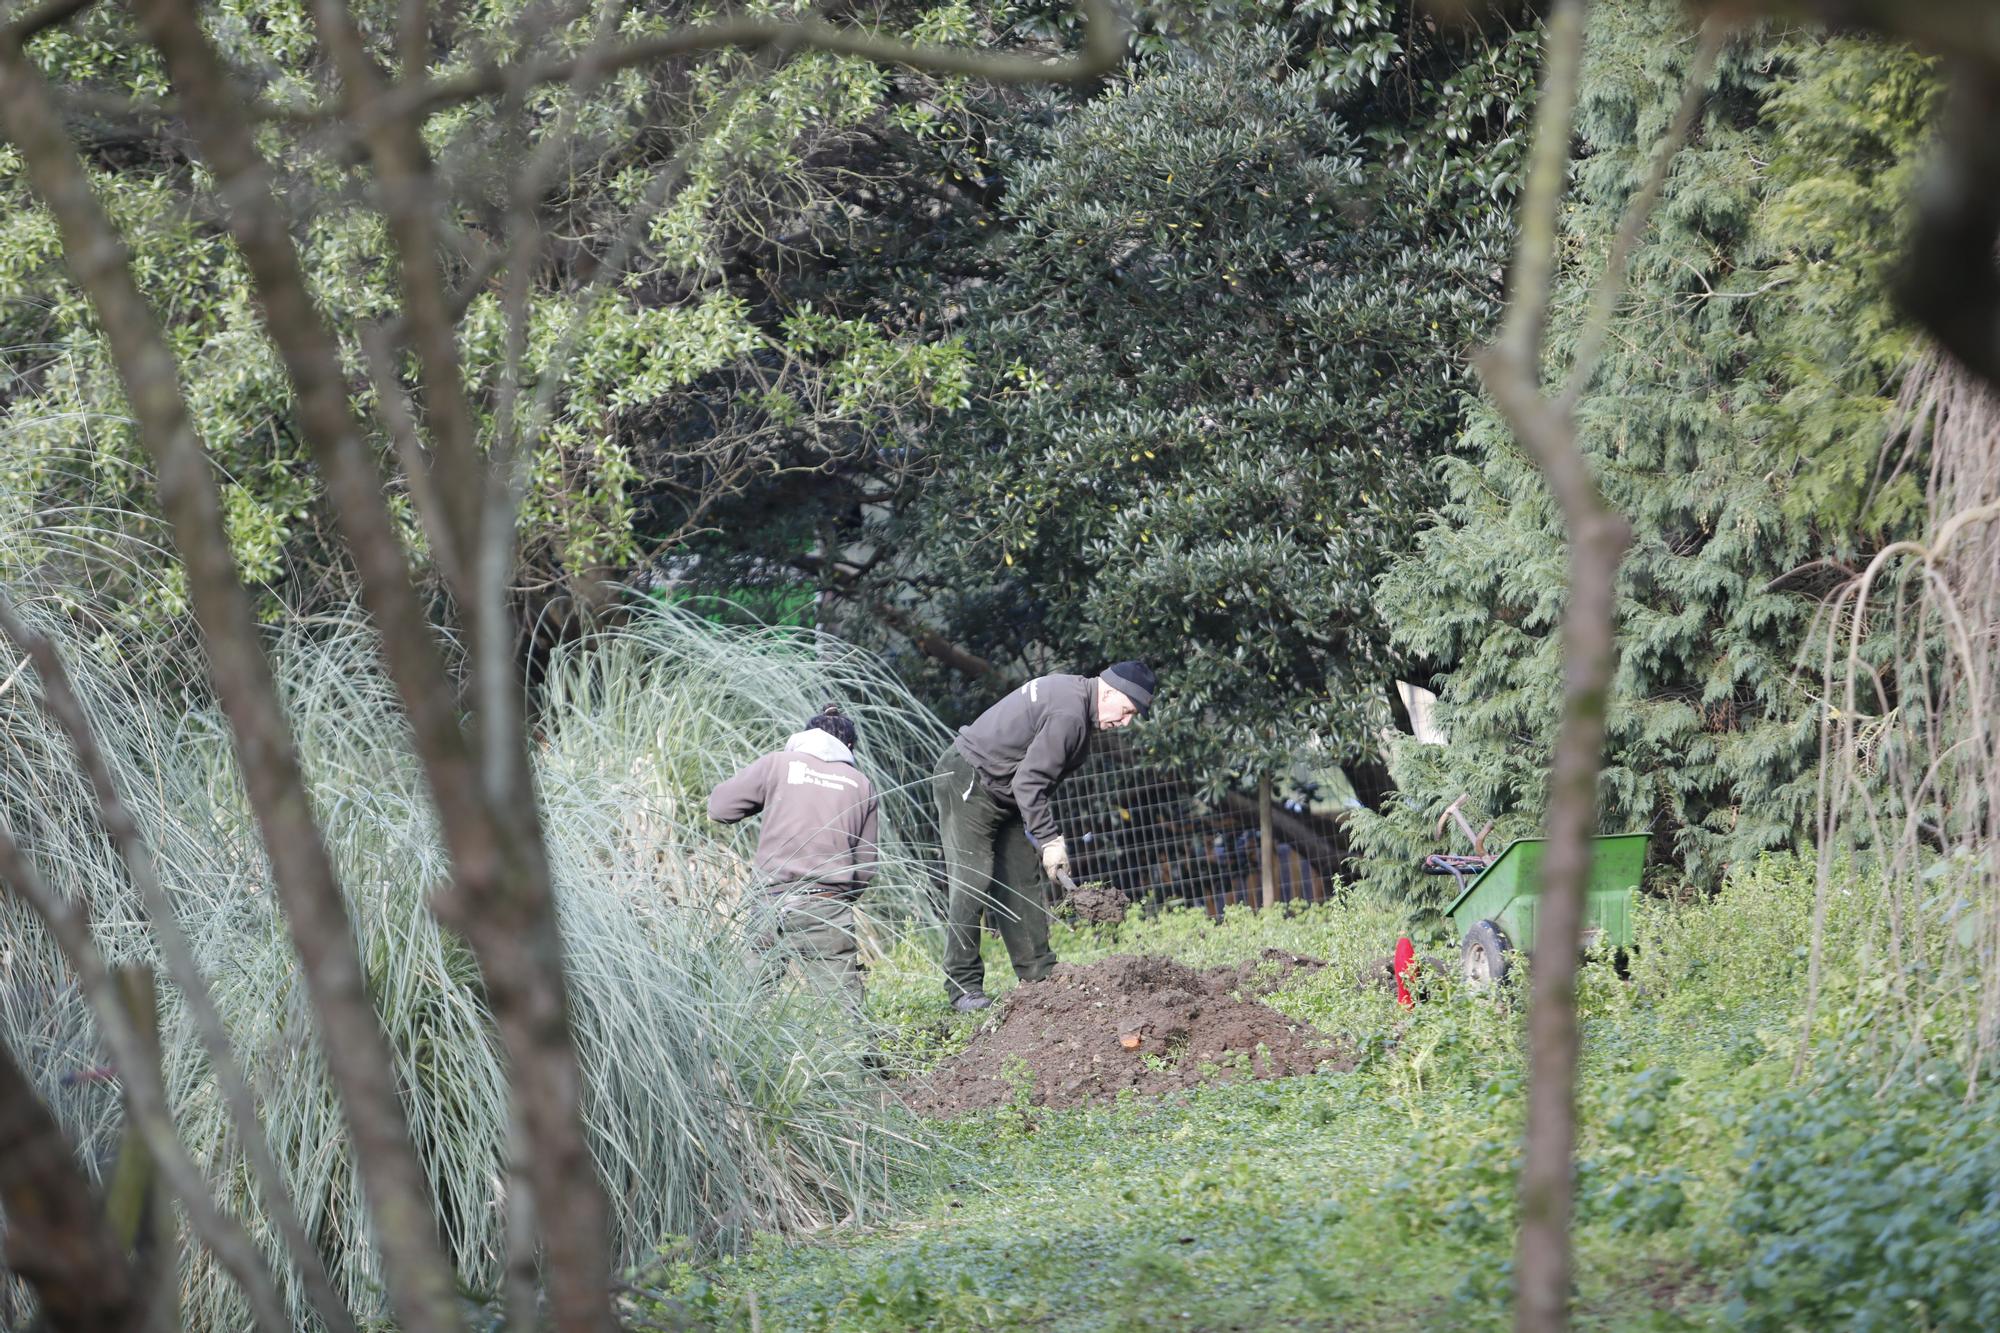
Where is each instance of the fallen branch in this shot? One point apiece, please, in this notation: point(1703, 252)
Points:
point(933, 644)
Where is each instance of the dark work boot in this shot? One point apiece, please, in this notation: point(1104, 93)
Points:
point(971, 1000)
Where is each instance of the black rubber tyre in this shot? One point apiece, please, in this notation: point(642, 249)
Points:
point(1484, 957)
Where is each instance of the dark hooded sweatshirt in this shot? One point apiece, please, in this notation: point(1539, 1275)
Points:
point(1024, 745)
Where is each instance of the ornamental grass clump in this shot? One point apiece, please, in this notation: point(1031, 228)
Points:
point(718, 1104)
point(655, 715)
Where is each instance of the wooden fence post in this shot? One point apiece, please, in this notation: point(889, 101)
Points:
point(1267, 849)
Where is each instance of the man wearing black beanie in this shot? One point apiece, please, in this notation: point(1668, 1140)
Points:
point(994, 814)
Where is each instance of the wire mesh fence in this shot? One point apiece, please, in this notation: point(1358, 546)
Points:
point(1143, 827)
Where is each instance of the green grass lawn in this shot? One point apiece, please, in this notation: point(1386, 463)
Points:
point(1379, 1198)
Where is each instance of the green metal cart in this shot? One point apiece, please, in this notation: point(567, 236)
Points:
point(1498, 899)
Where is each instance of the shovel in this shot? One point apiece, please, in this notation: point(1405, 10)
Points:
point(1065, 886)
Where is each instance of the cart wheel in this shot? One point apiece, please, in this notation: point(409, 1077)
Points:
point(1484, 955)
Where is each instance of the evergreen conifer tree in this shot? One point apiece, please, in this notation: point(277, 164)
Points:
point(1738, 419)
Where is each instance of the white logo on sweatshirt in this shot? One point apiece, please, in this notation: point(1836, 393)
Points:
point(798, 773)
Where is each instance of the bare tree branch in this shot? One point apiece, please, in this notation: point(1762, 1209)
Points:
point(1105, 33)
point(137, 1203)
point(659, 191)
point(503, 760)
point(51, 14)
point(400, 419)
point(1531, 282)
point(1598, 541)
point(59, 699)
point(315, 911)
point(576, 1244)
point(520, 1298)
point(413, 39)
point(409, 203)
point(631, 234)
point(1103, 48)
point(499, 898)
point(57, 1239)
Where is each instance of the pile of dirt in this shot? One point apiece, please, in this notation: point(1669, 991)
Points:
point(1097, 903)
point(1149, 1024)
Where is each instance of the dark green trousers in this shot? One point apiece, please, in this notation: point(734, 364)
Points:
point(994, 876)
point(813, 937)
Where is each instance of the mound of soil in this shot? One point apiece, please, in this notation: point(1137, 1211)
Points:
point(1096, 903)
point(1149, 1024)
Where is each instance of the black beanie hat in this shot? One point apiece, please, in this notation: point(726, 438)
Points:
point(1134, 680)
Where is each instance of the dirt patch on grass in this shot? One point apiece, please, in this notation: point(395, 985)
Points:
point(1270, 970)
point(1430, 978)
point(1670, 1285)
point(1097, 904)
point(1149, 1024)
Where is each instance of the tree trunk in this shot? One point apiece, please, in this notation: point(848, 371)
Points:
point(57, 1240)
point(1542, 1254)
point(1329, 856)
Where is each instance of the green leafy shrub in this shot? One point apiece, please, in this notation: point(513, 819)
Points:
point(1460, 1182)
point(1744, 947)
point(1871, 1211)
point(1646, 1197)
point(687, 368)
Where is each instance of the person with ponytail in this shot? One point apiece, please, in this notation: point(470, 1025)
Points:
point(816, 850)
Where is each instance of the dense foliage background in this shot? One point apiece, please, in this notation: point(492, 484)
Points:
point(675, 388)
point(1001, 381)
point(1011, 380)
point(1229, 366)
point(1217, 314)
point(1740, 418)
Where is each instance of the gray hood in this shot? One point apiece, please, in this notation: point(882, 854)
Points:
point(819, 745)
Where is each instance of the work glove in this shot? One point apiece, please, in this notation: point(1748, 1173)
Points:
point(1055, 858)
